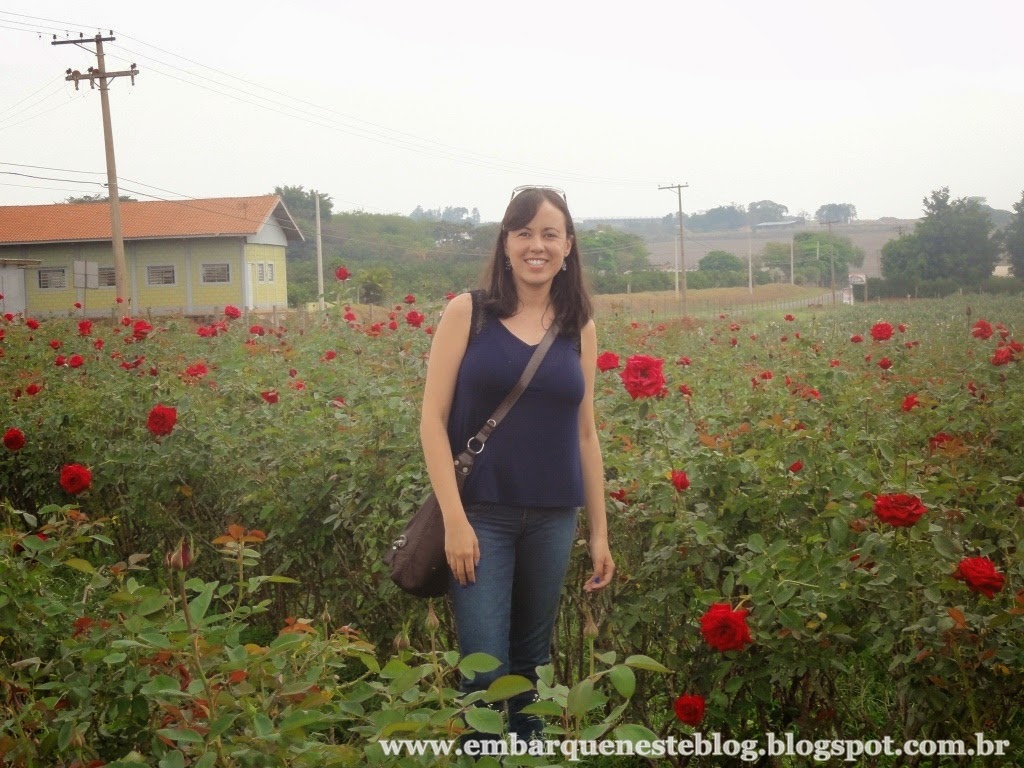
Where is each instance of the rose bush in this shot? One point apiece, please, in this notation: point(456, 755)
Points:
point(844, 607)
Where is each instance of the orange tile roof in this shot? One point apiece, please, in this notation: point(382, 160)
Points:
point(211, 217)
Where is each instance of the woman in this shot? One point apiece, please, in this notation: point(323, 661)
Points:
point(509, 535)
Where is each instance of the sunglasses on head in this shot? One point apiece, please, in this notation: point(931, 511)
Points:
point(556, 190)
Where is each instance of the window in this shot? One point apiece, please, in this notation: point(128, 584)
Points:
point(217, 273)
point(163, 275)
point(264, 272)
point(53, 279)
point(105, 276)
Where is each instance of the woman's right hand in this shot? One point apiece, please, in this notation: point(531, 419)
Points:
point(462, 550)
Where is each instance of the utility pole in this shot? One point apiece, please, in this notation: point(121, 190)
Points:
point(682, 251)
point(792, 247)
point(319, 254)
point(750, 261)
point(100, 73)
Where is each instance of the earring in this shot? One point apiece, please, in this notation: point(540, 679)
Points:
point(508, 263)
point(565, 263)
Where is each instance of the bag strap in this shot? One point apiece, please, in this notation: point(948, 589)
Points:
point(464, 461)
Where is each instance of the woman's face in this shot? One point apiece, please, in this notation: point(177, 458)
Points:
point(537, 251)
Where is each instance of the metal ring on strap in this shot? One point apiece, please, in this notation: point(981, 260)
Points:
point(475, 451)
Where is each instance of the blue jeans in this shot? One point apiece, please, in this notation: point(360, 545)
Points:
point(510, 611)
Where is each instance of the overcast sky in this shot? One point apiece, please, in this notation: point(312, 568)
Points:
point(390, 105)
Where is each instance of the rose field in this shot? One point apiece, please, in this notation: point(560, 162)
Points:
point(815, 518)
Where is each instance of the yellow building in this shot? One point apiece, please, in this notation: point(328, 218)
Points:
point(189, 257)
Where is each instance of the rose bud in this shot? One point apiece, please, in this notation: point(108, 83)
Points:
point(432, 621)
point(181, 558)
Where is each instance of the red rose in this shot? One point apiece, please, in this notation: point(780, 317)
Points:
point(643, 376)
point(32, 323)
point(119, 300)
point(181, 558)
point(796, 466)
point(161, 419)
point(725, 629)
point(684, 360)
point(85, 328)
point(33, 389)
point(885, 363)
point(410, 299)
point(980, 575)
point(233, 312)
point(76, 361)
point(789, 318)
point(689, 709)
point(607, 361)
point(14, 439)
point(900, 510)
point(74, 478)
point(881, 331)
point(449, 296)
point(56, 344)
point(680, 480)
point(939, 440)
point(619, 495)
point(141, 329)
point(1002, 356)
point(197, 370)
point(856, 338)
point(350, 317)
point(393, 325)
point(687, 392)
point(910, 402)
point(414, 318)
point(59, 360)
point(330, 354)
point(982, 330)
point(270, 396)
point(342, 274)
point(257, 330)
point(834, 363)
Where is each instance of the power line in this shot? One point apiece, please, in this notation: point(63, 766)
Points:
point(40, 114)
point(50, 168)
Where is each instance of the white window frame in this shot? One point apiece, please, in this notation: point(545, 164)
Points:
point(53, 273)
point(219, 264)
point(174, 276)
point(264, 271)
point(102, 279)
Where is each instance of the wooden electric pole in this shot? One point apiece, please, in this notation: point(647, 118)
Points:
point(682, 251)
point(93, 74)
point(319, 255)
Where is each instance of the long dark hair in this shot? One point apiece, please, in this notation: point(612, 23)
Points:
point(570, 295)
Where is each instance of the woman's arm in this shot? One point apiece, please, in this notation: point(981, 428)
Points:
point(593, 468)
point(446, 352)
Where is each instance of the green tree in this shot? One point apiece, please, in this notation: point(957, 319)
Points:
point(1013, 239)
point(953, 241)
point(721, 261)
point(374, 285)
point(302, 204)
point(814, 255)
point(609, 250)
point(724, 217)
point(99, 197)
point(836, 212)
point(764, 211)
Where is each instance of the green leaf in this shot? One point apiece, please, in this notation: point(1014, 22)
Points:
point(734, 684)
point(181, 734)
point(199, 604)
point(543, 707)
point(507, 686)
point(209, 760)
point(175, 759)
point(756, 543)
point(80, 565)
point(301, 719)
point(114, 658)
point(162, 685)
point(634, 733)
point(581, 698)
point(263, 725)
point(221, 724)
point(623, 679)
point(640, 661)
point(546, 674)
point(152, 604)
point(484, 720)
point(944, 546)
point(477, 662)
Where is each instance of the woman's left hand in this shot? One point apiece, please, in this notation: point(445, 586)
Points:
point(604, 566)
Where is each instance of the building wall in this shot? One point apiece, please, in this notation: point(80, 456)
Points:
point(188, 294)
point(213, 297)
point(267, 294)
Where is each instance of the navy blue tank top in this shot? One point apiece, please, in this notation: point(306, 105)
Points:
point(533, 458)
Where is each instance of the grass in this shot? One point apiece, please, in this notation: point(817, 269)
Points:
point(662, 305)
